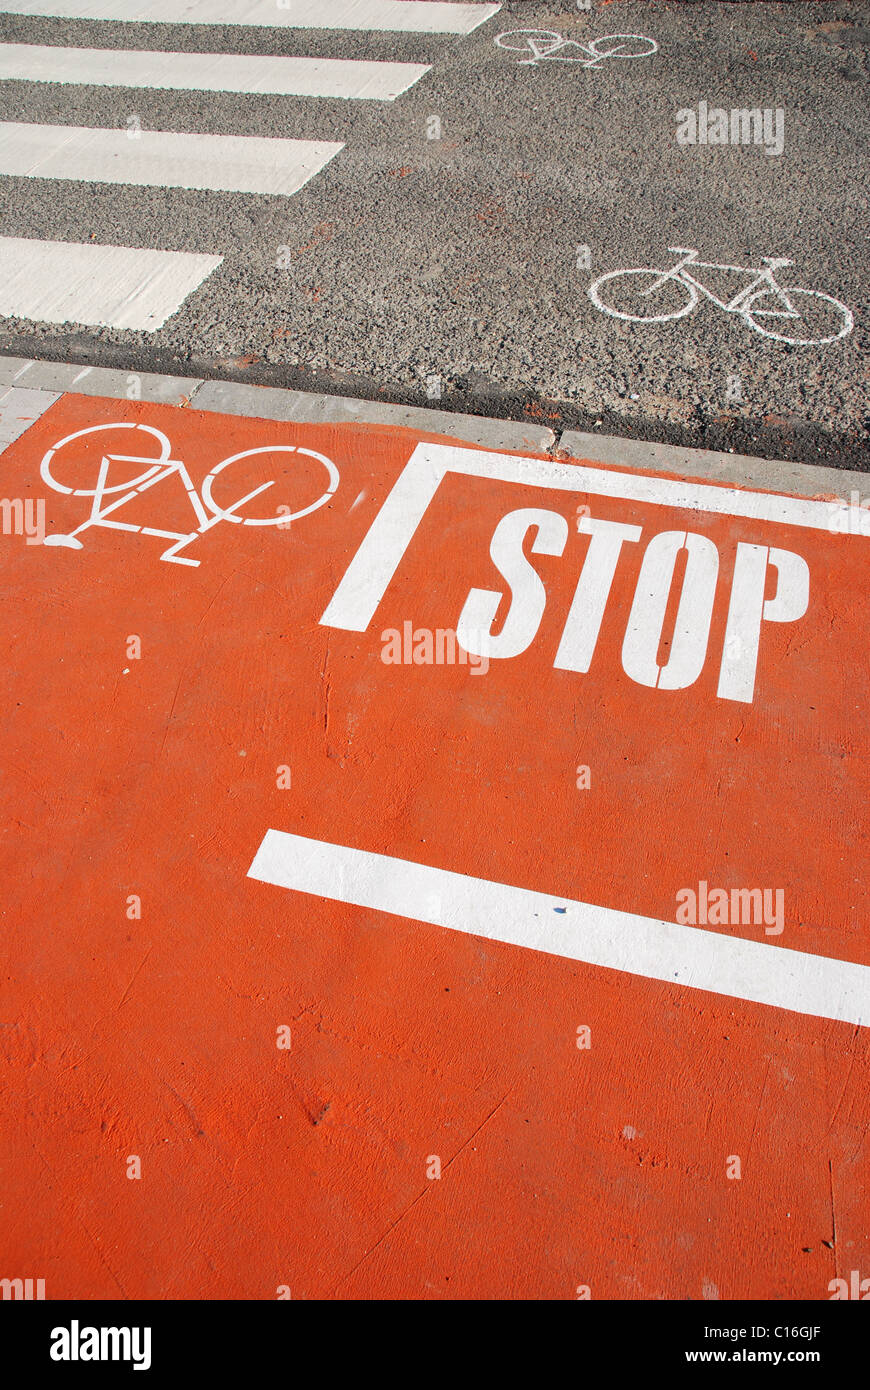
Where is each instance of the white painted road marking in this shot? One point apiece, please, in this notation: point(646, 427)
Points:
point(156, 471)
point(232, 163)
point(396, 16)
point(209, 72)
point(785, 304)
point(112, 286)
point(369, 573)
point(689, 956)
point(545, 45)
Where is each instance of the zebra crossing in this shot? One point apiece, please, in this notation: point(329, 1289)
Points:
point(141, 287)
point(70, 282)
point(209, 72)
point(396, 16)
point(166, 159)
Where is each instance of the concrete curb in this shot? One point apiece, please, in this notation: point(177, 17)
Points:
point(269, 402)
point(272, 403)
point(740, 470)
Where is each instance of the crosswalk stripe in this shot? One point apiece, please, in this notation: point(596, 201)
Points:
point(231, 163)
point(398, 16)
point(109, 286)
point(209, 72)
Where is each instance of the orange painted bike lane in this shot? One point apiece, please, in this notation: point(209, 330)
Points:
point(343, 960)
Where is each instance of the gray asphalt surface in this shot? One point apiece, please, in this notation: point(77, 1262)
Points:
point(411, 258)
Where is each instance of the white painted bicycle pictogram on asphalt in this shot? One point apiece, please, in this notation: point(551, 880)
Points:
point(545, 45)
point(788, 313)
point(95, 469)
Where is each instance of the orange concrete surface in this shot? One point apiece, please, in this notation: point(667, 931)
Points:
point(305, 1168)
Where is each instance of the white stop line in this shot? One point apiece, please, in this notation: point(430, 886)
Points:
point(658, 950)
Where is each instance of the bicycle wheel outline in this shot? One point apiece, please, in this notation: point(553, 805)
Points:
point(846, 312)
point(602, 38)
point(526, 45)
point(332, 473)
point(165, 457)
point(642, 318)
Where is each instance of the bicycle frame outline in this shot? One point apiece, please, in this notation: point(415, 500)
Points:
point(157, 471)
point(540, 54)
point(736, 305)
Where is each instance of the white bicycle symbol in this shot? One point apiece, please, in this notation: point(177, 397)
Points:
point(156, 470)
point(656, 296)
point(545, 44)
